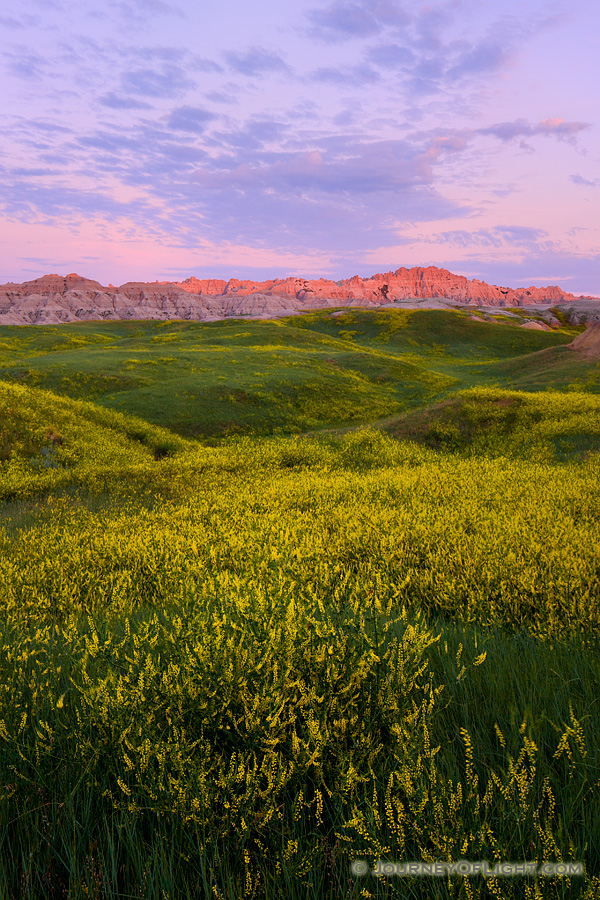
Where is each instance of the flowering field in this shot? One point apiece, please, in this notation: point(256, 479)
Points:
point(232, 671)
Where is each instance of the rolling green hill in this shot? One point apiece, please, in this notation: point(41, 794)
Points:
point(209, 380)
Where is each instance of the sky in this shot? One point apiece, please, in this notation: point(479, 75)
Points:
point(147, 140)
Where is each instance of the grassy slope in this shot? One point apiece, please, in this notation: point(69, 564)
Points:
point(49, 442)
point(287, 375)
point(557, 426)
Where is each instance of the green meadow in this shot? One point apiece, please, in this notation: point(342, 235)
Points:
point(278, 597)
point(286, 376)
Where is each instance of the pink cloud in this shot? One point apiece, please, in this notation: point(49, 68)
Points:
point(557, 127)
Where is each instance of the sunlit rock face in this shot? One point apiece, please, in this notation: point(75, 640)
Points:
point(53, 299)
point(403, 284)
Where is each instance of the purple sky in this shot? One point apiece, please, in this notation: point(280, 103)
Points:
point(150, 140)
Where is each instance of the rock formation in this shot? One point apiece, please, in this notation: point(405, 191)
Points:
point(53, 299)
point(536, 326)
point(402, 284)
point(582, 311)
point(588, 341)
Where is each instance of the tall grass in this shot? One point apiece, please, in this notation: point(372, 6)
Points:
point(229, 672)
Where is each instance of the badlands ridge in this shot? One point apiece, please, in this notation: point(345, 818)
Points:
point(54, 299)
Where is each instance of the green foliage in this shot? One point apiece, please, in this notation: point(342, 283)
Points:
point(559, 314)
point(229, 671)
point(547, 425)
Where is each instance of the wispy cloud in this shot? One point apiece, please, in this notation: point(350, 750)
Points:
point(204, 176)
point(341, 21)
point(359, 168)
point(585, 182)
point(116, 101)
point(498, 236)
point(459, 139)
point(559, 128)
point(424, 46)
point(346, 76)
point(228, 95)
point(256, 62)
point(190, 118)
point(348, 194)
point(129, 8)
point(19, 22)
point(391, 56)
point(25, 64)
point(252, 136)
point(172, 81)
point(139, 13)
